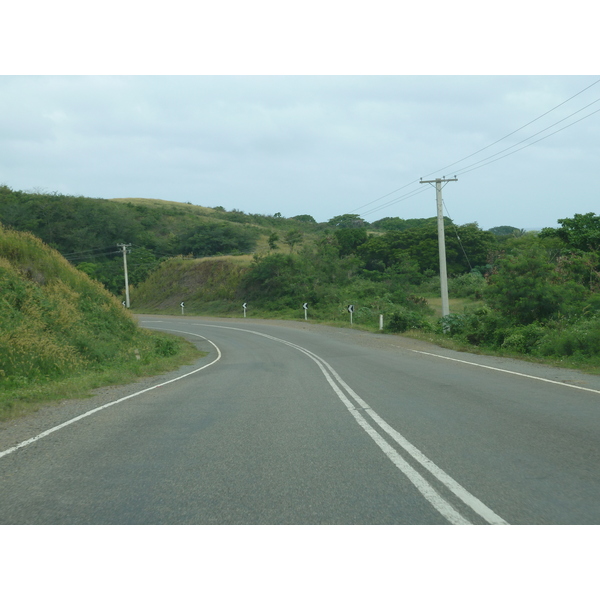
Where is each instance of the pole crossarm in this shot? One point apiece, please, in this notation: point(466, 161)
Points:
point(442, 180)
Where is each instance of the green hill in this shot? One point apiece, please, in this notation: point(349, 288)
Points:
point(203, 284)
point(57, 325)
point(87, 230)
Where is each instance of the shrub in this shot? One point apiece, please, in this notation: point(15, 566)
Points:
point(482, 327)
point(581, 338)
point(453, 324)
point(469, 285)
point(524, 339)
point(165, 346)
point(404, 319)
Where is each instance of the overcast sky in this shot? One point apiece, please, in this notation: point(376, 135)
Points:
point(322, 111)
point(318, 145)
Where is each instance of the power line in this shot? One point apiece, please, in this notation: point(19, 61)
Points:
point(516, 130)
point(384, 196)
point(468, 167)
point(83, 256)
point(91, 250)
point(458, 236)
point(531, 144)
point(532, 136)
point(394, 201)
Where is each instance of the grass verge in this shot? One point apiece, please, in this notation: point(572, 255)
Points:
point(590, 366)
point(585, 365)
point(158, 353)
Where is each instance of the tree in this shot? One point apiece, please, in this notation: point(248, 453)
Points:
point(293, 237)
point(278, 279)
point(582, 232)
point(398, 224)
point(272, 241)
point(421, 244)
point(504, 230)
point(349, 239)
point(304, 218)
point(527, 287)
point(348, 220)
point(210, 239)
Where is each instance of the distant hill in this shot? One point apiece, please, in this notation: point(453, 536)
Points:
point(87, 230)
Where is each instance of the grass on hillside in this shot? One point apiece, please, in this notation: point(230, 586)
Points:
point(28, 396)
point(210, 287)
point(60, 330)
point(157, 203)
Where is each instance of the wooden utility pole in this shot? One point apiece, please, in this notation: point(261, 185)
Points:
point(442, 242)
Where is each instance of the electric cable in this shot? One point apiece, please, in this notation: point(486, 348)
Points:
point(516, 130)
point(457, 236)
point(504, 152)
point(531, 144)
point(394, 201)
point(91, 250)
point(464, 169)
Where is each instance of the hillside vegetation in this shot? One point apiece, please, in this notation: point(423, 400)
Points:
point(523, 294)
point(520, 293)
point(57, 326)
point(87, 230)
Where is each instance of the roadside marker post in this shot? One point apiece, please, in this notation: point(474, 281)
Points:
point(182, 307)
point(380, 322)
point(305, 307)
point(351, 311)
point(244, 306)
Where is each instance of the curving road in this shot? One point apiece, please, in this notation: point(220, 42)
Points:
point(292, 423)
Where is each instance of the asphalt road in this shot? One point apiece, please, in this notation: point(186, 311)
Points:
point(287, 423)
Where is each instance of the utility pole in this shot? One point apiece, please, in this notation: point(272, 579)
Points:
point(442, 242)
point(124, 248)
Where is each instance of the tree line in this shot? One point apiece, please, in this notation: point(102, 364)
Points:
point(538, 292)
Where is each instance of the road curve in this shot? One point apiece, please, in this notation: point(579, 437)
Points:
point(290, 423)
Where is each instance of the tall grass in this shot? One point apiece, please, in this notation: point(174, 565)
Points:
point(195, 282)
point(56, 324)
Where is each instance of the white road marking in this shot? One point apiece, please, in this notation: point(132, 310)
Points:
point(99, 408)
point(428, 492)
point(474, 364)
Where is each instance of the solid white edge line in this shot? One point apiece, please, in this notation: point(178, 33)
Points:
point(99, 408)
point(474, 364)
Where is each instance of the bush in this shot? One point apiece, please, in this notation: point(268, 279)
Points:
point(581, 338)
point(165, 346)
point(469, 285)
point(404, 319)
point(524, 339)
point(453, 324)
point(482, 327)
